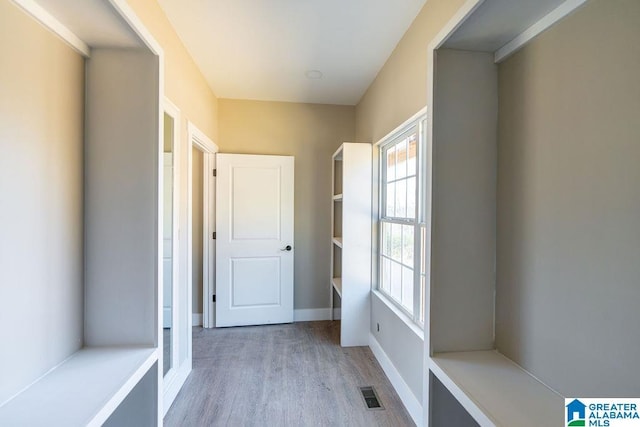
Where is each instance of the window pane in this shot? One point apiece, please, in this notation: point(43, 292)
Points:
point(401, 159)
point(386, 239)
point(401, 199)
point(396, 281)
point(396, 242)
point(411, 198)
point(423, 282)
point(386, 275)
point(400, 255)
point(407, 245)
point(423, 249)
point(407, 289)
point(391, 163)
point(412, 154)
point(391, 198)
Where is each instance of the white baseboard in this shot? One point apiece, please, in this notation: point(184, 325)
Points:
point(301, 315)
point(337, 314)
point(409, 400)
point(196, 319)
point(311, 314)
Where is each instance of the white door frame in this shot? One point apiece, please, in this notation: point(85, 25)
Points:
point(197, 139)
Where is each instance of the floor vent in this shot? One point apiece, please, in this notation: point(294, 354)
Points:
point(371, 398)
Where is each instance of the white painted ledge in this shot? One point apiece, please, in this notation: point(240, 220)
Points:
point(497, 392)
point(83, 391)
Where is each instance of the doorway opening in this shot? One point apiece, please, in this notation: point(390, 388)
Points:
point(201, 226)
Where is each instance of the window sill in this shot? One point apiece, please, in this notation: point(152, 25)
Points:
point(401, 315)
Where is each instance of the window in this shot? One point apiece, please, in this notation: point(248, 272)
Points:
point(402, 227)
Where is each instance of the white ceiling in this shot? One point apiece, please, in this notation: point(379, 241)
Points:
point(261, 49)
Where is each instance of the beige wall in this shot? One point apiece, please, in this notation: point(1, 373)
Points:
point(569, 203)
point(398, 92)
point(41, 126)
point(311, 133)
point(184, 84)
point(400, 88)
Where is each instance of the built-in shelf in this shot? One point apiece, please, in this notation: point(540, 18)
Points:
point(468, 303)
point(112, 312)
point(83, 390)
point(496, 391)
point(351, 242)
point(337, 285)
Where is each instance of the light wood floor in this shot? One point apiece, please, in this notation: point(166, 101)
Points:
point(282, 375)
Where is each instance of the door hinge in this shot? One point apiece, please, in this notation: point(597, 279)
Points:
point(215, 172)
point(214, 235)
point(214, 298)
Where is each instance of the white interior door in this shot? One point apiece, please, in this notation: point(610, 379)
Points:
point(254, 226)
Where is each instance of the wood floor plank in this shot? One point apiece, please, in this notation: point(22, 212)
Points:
point(282, 375)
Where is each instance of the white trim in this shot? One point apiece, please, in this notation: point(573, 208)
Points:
point(196, 319)
point(38, 13)
point(311, 314)
point(126, 12)
point(403, 126)
point(173, 384)
point(409, 400)
point(208, 243)
point(544, 23)
point(201, 141)
point(453, 24)
point(337, 313)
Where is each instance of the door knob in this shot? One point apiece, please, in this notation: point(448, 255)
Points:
point(286, 248)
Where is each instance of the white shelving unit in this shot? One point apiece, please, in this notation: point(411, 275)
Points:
point(114, 378)
point(351, 240)
point(460, 349)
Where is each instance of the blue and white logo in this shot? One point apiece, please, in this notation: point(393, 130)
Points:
point(581, 412)
point(576, 413)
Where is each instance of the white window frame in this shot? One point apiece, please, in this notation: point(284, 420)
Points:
point(419, 121)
